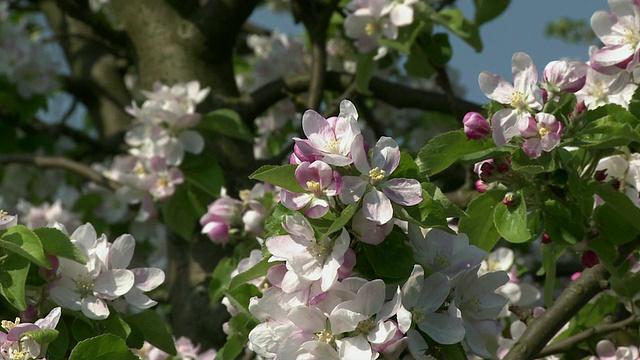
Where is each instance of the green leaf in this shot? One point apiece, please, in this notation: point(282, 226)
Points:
point(81, 329)
point(613, 227)
point(13, 276)
point(445, 149)
point(154, 330)
point(520, 161)
point(25, 243)
point(487, 10)
point(563, 221)
point(454, 20)
point(428, 213)
point(102, 347)
point(259, 269)
point(180, 213)
point(42, 336)
point(283, 176)
point(438, 49)
point(621, 204)
point(55, 242)
point(232, 348)
point(407, 168)
point(365, 68)
point(450, 209)
point(58, 348)
point(203, 172)
point(417, 64)
point(511, 221)
point(346, 215)
point(220, 279)
point(239, 297)
point(114, 325)
point(489, 153)
point(393, 247)
point(226, 122)
point(609, 131)
point(478, 224)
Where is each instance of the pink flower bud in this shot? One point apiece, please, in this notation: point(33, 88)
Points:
point(590, 259)
point(580, 107)
point(509, 199)
point(481, 186)
point(546, 239)
point(565, 76)
point(476, 126)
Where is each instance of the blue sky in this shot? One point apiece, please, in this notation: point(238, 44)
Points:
point(520, 28)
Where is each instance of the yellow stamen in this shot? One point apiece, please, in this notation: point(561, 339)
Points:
point(314, 187)
point(376, 174)
point(543, 132)
point(8, 325)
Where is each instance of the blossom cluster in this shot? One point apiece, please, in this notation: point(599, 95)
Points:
point(317, 304)
point(225, 214)
point(25, 61)
point(16, 342)
point(104, 279)
point(185, 351)
point(157, 143)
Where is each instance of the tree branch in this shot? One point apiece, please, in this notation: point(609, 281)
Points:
point(398, 95)
point(62, 163)
point(572, 299)
point(600, 329)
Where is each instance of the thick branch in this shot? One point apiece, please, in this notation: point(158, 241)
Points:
point(601, 329)
point(62, 163)
point(395, 94)
point(572, 299)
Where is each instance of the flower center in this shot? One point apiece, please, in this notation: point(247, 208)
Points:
point(517, 100)
point(370, 29)
point(365, 326)
point(85, 285)
point(418, 315)
point(318, 251)
point(314, 187)
point(163, 181)
point(631, 38)
point(543, 132)
point(324, 336)
point(332, 147)
point(8, 325)
point(376, 174)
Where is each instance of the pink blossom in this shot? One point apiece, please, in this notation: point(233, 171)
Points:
point(564, 76)
point(320, 181)
point(542, 133)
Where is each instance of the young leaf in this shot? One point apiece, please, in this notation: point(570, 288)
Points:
point(55, 242)
point(102, 347)
point(13, 276)
point(226, 122)
point(25, 243)
point(220, 279)
point(511, 220)
point(445, 149)
point(153, 329)
point(283, 176)
point(487, 10)
point(393, 247)
point(42, 336)
point(344, 218)
point(203, 172)
point(454, 20)
point(259, 269)
point(478, 224)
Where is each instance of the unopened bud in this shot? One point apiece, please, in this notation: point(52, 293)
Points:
point(600, 175)
point(503, 168)
point(509, 199)
point(616, 184)
point(476, 126)
point(545, 95)
point(590, 259)
point(546, 239)
point(481, 186)
point(580, 107)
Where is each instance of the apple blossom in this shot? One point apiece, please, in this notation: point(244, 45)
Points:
point(475, 125)
point(543, 133)
point(14, 344)
point(606, 350)
point(374, 185)
point(524, 97)
point(619, 31)
point(321, 181)
point(564, 76)
point(600, 89)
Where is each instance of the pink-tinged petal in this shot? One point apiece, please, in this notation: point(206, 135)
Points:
point(525, 74)
point(65, 294)
point(602, 23)
point(532, 147)
point(549, 122)
point(94, 308)
point(383, 332)
point(613, 55)
point(369, 231)
point(51, 320)
point(317, 208)
point(305, 151)
point(317, 129)
point(298, 226)
point(549, 141)
point(320, 350)
point(406, 192)
point(353, 187)
point(158, 164)
point(294, 201)
point(337, 160)
point(386, 155)
point(356, 347)
point(359, 155)
point(443, 328)
point(528, 127)
point(138, 299)
point(401, 15)
point(305, 174)
point(218, 232)
point(495, 87)
point(114, 282)
point(308, 319)
point(147, 279)
point(504, 126)
point(15, 333)
point(121, 251)
point(377, 207)
point(335, 188)
point(85, 235)
point(283, 247)
point(325, 173)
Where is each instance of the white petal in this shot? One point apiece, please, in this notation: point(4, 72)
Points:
point(94, 308)
point(114, 282)
point(121, 251)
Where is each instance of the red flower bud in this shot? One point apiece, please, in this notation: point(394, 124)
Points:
point(546, 239)
point(481, 186)
point(600, 175)
point(509, 199)
point(590, 259)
